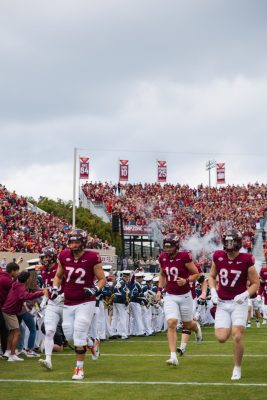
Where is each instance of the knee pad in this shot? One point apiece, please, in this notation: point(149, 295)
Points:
point(186, 331)
point(80, 351)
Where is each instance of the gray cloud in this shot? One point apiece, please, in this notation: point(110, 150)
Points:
point(141, 80)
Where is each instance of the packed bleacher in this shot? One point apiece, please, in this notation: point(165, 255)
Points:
point(184, 210)
point(23, 229)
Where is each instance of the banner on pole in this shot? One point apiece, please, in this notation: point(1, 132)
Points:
point(162, 171)
point(84, 168)
point(123, 170)
point(220, 173)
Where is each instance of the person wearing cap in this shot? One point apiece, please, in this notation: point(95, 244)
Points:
point(157, 309)
point(107, 297)
point(120, 317)
point(17, 295)
point(146, 308)
point(136, 296)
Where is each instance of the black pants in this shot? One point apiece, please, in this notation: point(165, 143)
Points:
point(3, 333)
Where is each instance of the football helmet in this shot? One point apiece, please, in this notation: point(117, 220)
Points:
point(78, 235)
point(172, 239)
point(232, 240)
point(50, 254)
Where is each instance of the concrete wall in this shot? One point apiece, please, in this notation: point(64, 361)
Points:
point(108, 257)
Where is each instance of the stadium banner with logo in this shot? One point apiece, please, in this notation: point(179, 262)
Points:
point(162, 171)
point(123, 170)
point(84, 168)
point(220, 173)
point(138, 230)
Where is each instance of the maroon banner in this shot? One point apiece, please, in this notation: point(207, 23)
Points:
point(162, 171)
point(123, 170)
point(220, 173)
point(84, 168)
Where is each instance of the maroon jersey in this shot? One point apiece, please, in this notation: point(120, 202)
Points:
point(233, 274)
point(48, 277)
point(78, 275)
point(174, 268)
point(263, 291)
point(263, 274)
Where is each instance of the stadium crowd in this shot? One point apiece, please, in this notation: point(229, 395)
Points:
point(22, 229)
point(182, 209)
point(186, 211)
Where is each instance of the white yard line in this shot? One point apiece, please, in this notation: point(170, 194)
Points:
point(161, 355)
point(135, 383)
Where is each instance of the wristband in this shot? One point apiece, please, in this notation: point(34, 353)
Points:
point(159, 289)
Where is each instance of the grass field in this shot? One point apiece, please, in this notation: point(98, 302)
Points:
point(135, 369)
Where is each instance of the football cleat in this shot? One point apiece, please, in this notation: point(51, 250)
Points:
point(236, 374)
point(46, 364)
point(95, 350)
point(78, 374)
point(172, 361)
point(199, 337)
point(180, 351)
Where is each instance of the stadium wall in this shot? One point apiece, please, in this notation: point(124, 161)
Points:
point(108, 257)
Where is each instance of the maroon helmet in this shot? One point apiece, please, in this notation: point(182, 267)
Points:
point(50, 253)
point(232, 240)
point(78, 235)
point(172, 239)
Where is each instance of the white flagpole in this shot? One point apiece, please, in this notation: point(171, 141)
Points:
point(74, 190)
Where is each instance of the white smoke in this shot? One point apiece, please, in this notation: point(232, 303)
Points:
point(203, 245)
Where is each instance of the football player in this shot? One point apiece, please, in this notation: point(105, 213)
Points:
point(54, 308)
point(233, 269)
point(176, 272)
point(80, 268)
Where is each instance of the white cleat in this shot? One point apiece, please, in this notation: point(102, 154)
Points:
point(236, 374)
point(78, 374)
point(46, 364)
point(258, 324)
point(199, 337)
point(172, 361)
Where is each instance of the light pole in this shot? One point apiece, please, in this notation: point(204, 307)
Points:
point(74, 190)
point(209, 165)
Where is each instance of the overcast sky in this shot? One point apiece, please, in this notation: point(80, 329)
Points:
point(178, 80)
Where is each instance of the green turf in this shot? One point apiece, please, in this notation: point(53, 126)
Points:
point(203, 373)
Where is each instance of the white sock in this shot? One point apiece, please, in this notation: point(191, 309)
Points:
point(48, 345)
point(48, 358)
point(79, 364)
point(173, 354)
point(183, 346)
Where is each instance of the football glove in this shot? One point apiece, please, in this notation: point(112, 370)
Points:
point(240, 298)
point(54, 293)
point(91, 291)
